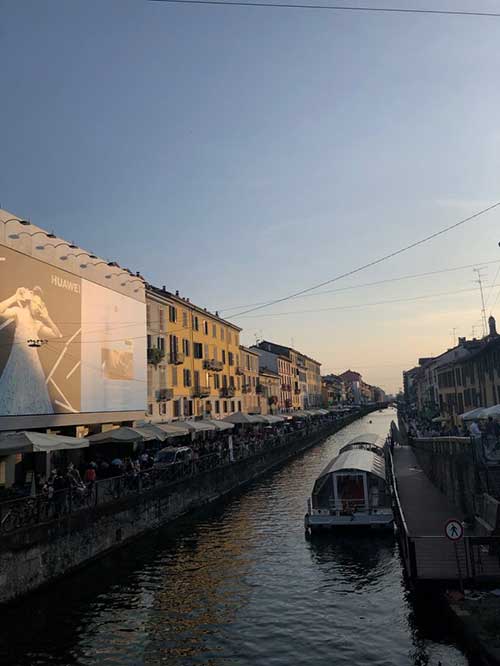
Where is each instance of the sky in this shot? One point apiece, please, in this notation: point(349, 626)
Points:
point(241, 154)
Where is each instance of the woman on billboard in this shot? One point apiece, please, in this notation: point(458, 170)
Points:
point(23, 389)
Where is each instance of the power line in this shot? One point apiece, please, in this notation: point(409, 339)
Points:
point(343, 8)
point(378, 282)
point(363, 305)
point(373, 263)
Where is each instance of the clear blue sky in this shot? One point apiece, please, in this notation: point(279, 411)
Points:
point(238, 154)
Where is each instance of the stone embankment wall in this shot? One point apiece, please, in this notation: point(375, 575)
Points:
point(34, 556)
point(450, 464)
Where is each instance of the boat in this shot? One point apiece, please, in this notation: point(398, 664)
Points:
point(352, 490)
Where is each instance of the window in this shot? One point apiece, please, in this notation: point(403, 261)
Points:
point(232, 405)
point(205, 327)
point(184, 319)
point(196, 377)
point(224, 381)
point(174, 376)
point(214, 331)
point(206, 353)
point(239, 406)
point(221, 333)
point(216, 381)
point(149, 343)
point(185, 347)
point(163, 408)
point(162, 371)
point(231, 381)
point(188, 408)
point(172, 313)
point(187, 377)
point(161, 317)
point(173, 344)
point(150, 409)
point(224, 406)
point(214, 352)
point(160, 343)
point(197, 350)
point(230, 358)
point(148, 313)
point(196, 325)
point(229, 337)
point(217, 407)
point(223, 355)
point(176, 408)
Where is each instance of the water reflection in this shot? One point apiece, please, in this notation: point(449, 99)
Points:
point(238, 586)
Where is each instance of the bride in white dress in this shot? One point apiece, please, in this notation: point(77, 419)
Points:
point(23, 389)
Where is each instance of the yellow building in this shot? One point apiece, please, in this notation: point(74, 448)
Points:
point(249, 372)
point(270, 391)
point(193, 359)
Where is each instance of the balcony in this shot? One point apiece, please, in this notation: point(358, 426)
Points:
point(155, 355)
point(214, 365)
point(200, 391)
point(227, 392)
point(164, 394)
point(296, 391)
point(246, 388)
point(259, 388)
point(176, 358)
point(286, 387)
point(240, 370)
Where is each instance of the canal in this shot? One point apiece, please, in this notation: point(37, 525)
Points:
point(239, 585)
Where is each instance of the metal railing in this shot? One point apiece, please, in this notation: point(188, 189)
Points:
point(25, 512)
point(200, 391)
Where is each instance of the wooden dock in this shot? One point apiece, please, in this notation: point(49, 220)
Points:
point(422, 512)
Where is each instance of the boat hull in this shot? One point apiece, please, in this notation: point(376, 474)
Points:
point(382, 521)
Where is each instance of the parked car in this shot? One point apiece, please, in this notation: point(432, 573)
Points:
point(172, 455)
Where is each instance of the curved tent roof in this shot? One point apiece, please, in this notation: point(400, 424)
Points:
point(358, 460)
point(369, 441)
point(173, 429)
point(241, 417)
point(220, 424)
point(123, 434)
point(271, 419)
point(472, 414)
point(196, 426)
point(30, 442)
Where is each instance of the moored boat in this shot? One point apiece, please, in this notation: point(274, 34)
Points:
point(352, 490)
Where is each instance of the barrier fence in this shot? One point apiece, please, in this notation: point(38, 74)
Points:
point(30, 511)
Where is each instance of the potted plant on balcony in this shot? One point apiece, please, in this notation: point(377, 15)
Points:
point(155, 355)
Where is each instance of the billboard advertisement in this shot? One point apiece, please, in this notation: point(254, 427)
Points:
point(67, 345)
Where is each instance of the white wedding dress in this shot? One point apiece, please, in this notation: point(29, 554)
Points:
point(22, 383)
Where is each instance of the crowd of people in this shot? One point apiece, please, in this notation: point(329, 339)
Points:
point(485, 433)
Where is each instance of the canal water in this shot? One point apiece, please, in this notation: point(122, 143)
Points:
point(239, 585)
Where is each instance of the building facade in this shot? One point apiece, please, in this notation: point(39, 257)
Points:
point(193, 359)
point(250, 387)
point(270, 390)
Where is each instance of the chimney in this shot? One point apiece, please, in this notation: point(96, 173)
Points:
point(493, 326)
point(164, 288)
point(461, 341)
point(138, 274)
point(176, 292)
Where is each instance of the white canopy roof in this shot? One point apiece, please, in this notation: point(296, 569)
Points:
point(123, 434)
point(196, 426)
point(271, 419)
point(490, 411)
point(359, 460)
point(32, 442)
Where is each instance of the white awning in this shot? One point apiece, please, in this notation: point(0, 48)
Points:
point(473, 414)
point(359, 460)
point(122, 434)
point(242, 418)
point(271, 419)
point(221, 425)
point(32, 442)
point(173, 429)
point(491, 411)
point(196, 426)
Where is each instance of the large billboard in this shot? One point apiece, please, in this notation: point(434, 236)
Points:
point(67, 345)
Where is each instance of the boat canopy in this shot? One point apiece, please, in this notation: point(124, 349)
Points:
point(369, 441)
point(357, 460)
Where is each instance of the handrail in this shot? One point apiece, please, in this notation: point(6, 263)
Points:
point(24, 512)
point(396, 493)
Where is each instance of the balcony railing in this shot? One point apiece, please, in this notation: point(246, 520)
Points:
point(176, 358)
point(296, 391)
point(164, 394)
point(200, 391)
point(246, 388)
point(227, 392)
point(213, 364)
point(259, 388)
point(286, 387)
point(240, 370)
point(155, 355)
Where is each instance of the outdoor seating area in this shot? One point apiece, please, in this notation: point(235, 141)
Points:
point(55, 475)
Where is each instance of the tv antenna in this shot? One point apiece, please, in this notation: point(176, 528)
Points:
point(479, 281)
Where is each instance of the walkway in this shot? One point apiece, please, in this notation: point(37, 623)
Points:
point(428, 554)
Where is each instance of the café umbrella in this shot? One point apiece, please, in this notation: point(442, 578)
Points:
point(34, 442)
